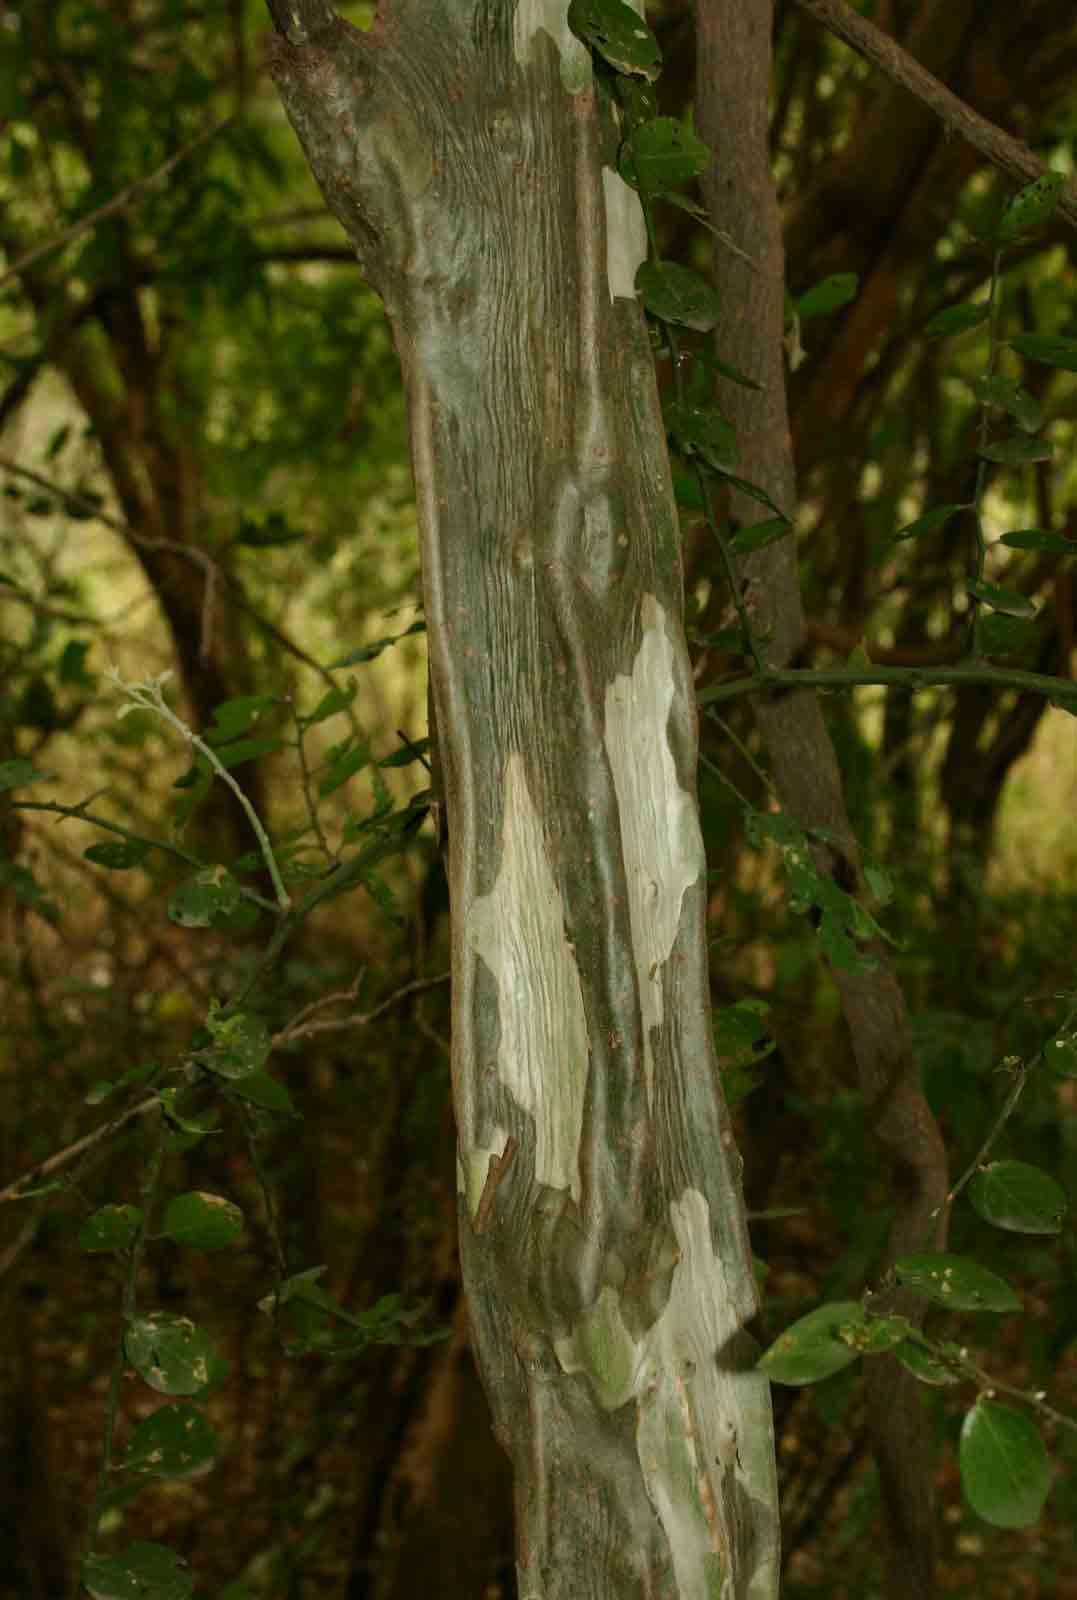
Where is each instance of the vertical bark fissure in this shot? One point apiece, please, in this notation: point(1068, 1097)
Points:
point(731, 111)
point(608, 1271)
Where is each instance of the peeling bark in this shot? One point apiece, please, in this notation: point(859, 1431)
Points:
point(605, 1256)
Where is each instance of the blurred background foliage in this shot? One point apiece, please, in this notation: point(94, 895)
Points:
point(204, 471)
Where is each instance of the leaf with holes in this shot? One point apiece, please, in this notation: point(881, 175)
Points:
point(1030, 207)
point(141, 1572)
point(203, 1221)
point(956, 1282)
point(172, 1354)
point(175, 1442)
point(618, 34)
point(661, 154)
point(111, 1228)
point(678, 295)
point(813, 1347)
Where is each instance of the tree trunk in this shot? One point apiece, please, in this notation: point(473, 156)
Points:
point(604, 1247)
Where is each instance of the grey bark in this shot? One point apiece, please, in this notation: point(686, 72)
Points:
point(604, 1249)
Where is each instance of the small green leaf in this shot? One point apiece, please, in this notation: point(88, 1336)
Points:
point(704, 432)
point(1005, 1472)
point(1004, 636)
point(262, 1089)
point(211, 894)
point(618, 34)
point(240, 1045)
point(19, 774)
point(724, 370)
point(828, 295)
point(1054, 544)
point(369, 652)
point(111, 1228)
point(172, 1354)
point(813, 1347)
point(1017, 451)
point(117, 854)
point(1051, 349)
point(141, 1572)
point(1000, 599)
point(332, 702)
point(678, 295)
point(203, 1221)
point(759, 535)
point(1060, 1053)
point(175, 1442)
point(956, 319)
point(1005, 395)
point(233, 718)
point(661, 154)
point(1031, 206)
point(937, 517)
point(956, 1282)
point(1018, 1197)
point(922, 1364)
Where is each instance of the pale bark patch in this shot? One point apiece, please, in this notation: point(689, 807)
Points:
point(626, 235)
point(519, 931)
point(551, 17)
point(660, 833)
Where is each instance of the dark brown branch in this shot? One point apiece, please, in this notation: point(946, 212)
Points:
point(885, 53)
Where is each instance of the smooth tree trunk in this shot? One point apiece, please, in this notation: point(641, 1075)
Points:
point(602, 1228)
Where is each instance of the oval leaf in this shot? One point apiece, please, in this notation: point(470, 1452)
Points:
point(1005, 395)
point(111, 1228)
point(117, 854)
point(204, 1221)
point(1054, 544)
point(176, 1442)
point(956, 319)
point(210, 894)
point(1031, 206)
point(142, 1572)
point(663, 153)
point(171, 1354)
point(811, 1348)
point(956, 1282)
point(677, 294)
point(1003, 636)
point(827, 295)
point(262, 1089)
point(703, 431)
point(1052, 349)
point(922, 1364)
point(1019, 1198)
point(759, 535)
point(937, 517)
point(1000, 599)
point(1005, 1472)
point(1017, 451)
point(18, 774)
point(618, 34)
point(240, 1045)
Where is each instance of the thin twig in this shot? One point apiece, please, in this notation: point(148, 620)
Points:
point(903, 69)
point(71, 1152)
point(357, 1019)
point(124, 197)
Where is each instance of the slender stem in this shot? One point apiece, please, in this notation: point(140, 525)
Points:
point(994, 302)
point(1057, 689)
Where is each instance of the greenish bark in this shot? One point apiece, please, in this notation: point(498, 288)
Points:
point(602, 1227)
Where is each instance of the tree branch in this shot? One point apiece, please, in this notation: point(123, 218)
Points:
point(902, 68)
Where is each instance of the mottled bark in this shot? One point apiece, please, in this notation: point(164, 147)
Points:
point(731, 114)
point(602, 1228)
